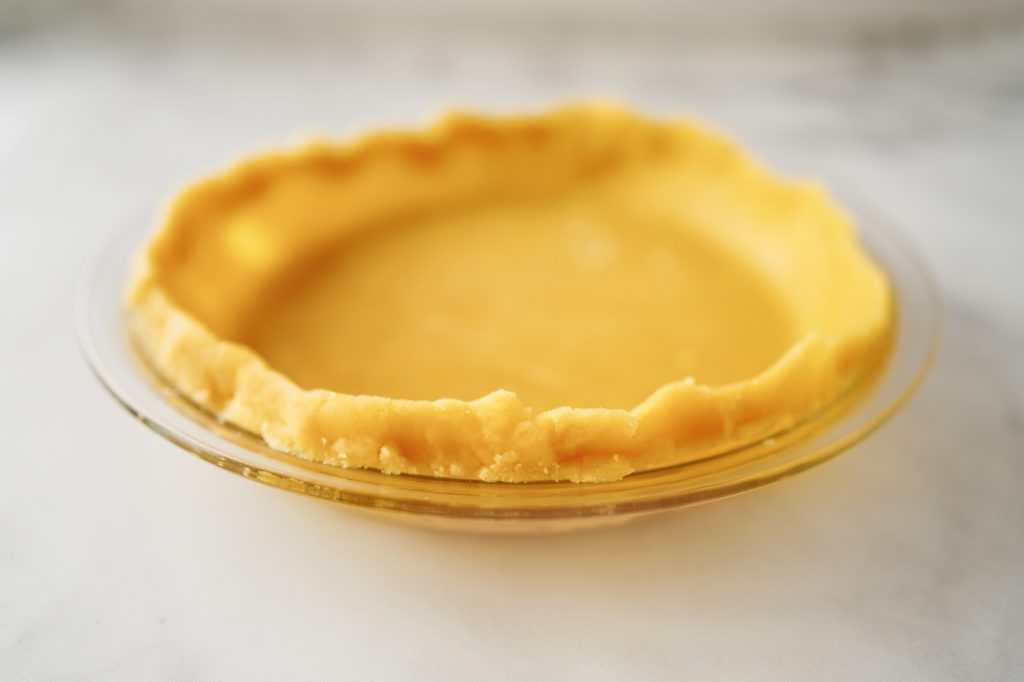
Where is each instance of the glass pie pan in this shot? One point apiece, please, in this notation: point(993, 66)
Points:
point(515, 507)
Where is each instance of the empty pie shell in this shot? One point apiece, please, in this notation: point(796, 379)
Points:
point(577, 295)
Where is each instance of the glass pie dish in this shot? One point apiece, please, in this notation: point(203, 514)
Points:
point(516, 507)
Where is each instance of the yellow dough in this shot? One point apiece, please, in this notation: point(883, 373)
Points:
point(571, 296)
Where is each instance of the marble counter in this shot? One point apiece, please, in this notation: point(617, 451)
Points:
point(122, 558)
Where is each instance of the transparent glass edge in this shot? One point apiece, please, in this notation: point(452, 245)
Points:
point(370, 495)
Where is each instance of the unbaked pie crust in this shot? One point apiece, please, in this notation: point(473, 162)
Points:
point(578, 296)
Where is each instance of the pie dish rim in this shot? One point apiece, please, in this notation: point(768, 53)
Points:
point(516, 507)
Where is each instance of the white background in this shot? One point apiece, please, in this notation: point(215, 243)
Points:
point(123, 558)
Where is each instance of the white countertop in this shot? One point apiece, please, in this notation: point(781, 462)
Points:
point(123, 558)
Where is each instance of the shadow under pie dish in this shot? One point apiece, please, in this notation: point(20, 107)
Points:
point(575, 296)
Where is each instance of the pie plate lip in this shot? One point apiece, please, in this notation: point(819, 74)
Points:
point(515, 507)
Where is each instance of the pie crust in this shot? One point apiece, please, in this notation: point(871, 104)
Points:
point(577, 295)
